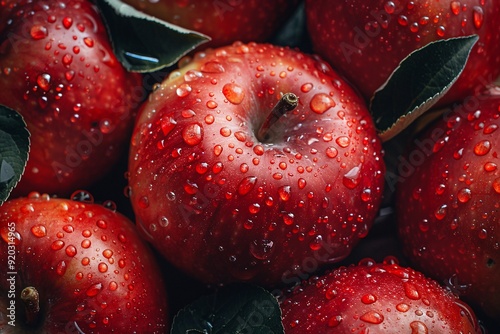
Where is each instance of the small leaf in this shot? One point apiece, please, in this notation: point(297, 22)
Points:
point(14, 149)
point(143, 43)
point(238, 308)
point(419, 81)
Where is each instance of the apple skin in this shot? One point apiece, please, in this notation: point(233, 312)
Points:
point(222, 205)
point(366, 40)
point(89, 265)
point(375, 298)
point(448, 202)
point(79, 103)
point(224, 21)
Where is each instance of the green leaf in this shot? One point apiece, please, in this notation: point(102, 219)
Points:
point(143, 43)
point(238, 308)
point(419, 81)
point(14, 149)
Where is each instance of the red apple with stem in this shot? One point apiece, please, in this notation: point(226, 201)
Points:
point(254, 162)
point(448, 201)
point(79, 267)
point(366, 40)
point(224, 21)
point(59, 72)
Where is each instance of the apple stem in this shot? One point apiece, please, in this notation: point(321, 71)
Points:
point(288, 102)
point(31, 299)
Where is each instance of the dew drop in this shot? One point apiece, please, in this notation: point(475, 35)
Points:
point(440, 213)
point(225, 132)
point(331, 152)
point(38, 32)
point(193, 134)
point(217, 150)
point(88, 42)
point(143, 202)
point(209, 119)
point(94, 290)
point(351, 178)
point(39, 231)
point(330, 294)
point(43, 81)
point(301, 183)
point(372, 317)
point(490, 167)
point(306, 87)
point(102, 267)
point(334, 321)
point(71, 251)
point(288, 218)
point(496, 185)
point(212, 67)
point(482, 148)
point(343, 141)
point(368, 299)
point(192, 75)
point(211, 104)
point(402, 307)
point(167, 124)
point(86, 243)
point(113, 286)
point(233, 93)
point(464, 195)
point(247, 184)
point(418, 327)
point(366, 195)
point(284, 193)
point(455, 7)
point(478, 17)
point(107, 253)
point(67, 22)
point(411, 291)
point(389, 7)
point(61, 268)
point(261, 249)
point(183, 90)
point(57, 245)
point(321, 102)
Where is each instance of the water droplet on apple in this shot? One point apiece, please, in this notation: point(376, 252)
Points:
point(321, 102)
point(455, 7)
point(192, 75)
point(193, 134)
point(284, 193)
point(482, 148)
point(305, 88)
point(288, 218)
point(212, 67)
point(418, 327)
point(183, 90)
point(496, 185)
point(57, 245)
point(211, 104)
point(368, 299)
point(334, 321)
point(82, 196)
point(352, 177)
point(464, 195)
point(261, 249)
point(316, 243)
point(102, 267)
point(38, 32)
point(61, 268)
point(71, 251)
point(225, 132)
point(143, 202)
point(94, 290)
point(247, 184)
point(343, 141)
point(331, 152)
point(478, 16)
point(372, 317)
point(167, 124)
point(233, 93)
point(188, 113)
point(411, 291)
point(39, 230)
point(402, 307)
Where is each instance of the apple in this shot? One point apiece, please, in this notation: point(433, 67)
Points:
point(224, 21)
point(76, 267)
point(448, 201)
point(59, 72)
point(366, 40)
point(375, 298)
point(255, 163)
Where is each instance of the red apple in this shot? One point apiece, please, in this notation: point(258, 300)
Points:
point(448, 201)
point(375, 298)
point(366, 40)
point(59, 72)
point(224, 21)
point(228, 191)
point(76, 267)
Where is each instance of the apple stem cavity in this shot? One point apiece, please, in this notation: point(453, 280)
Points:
point(31, 299)
point(287, 103)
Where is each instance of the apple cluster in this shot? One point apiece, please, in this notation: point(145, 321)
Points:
point(256, 159)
